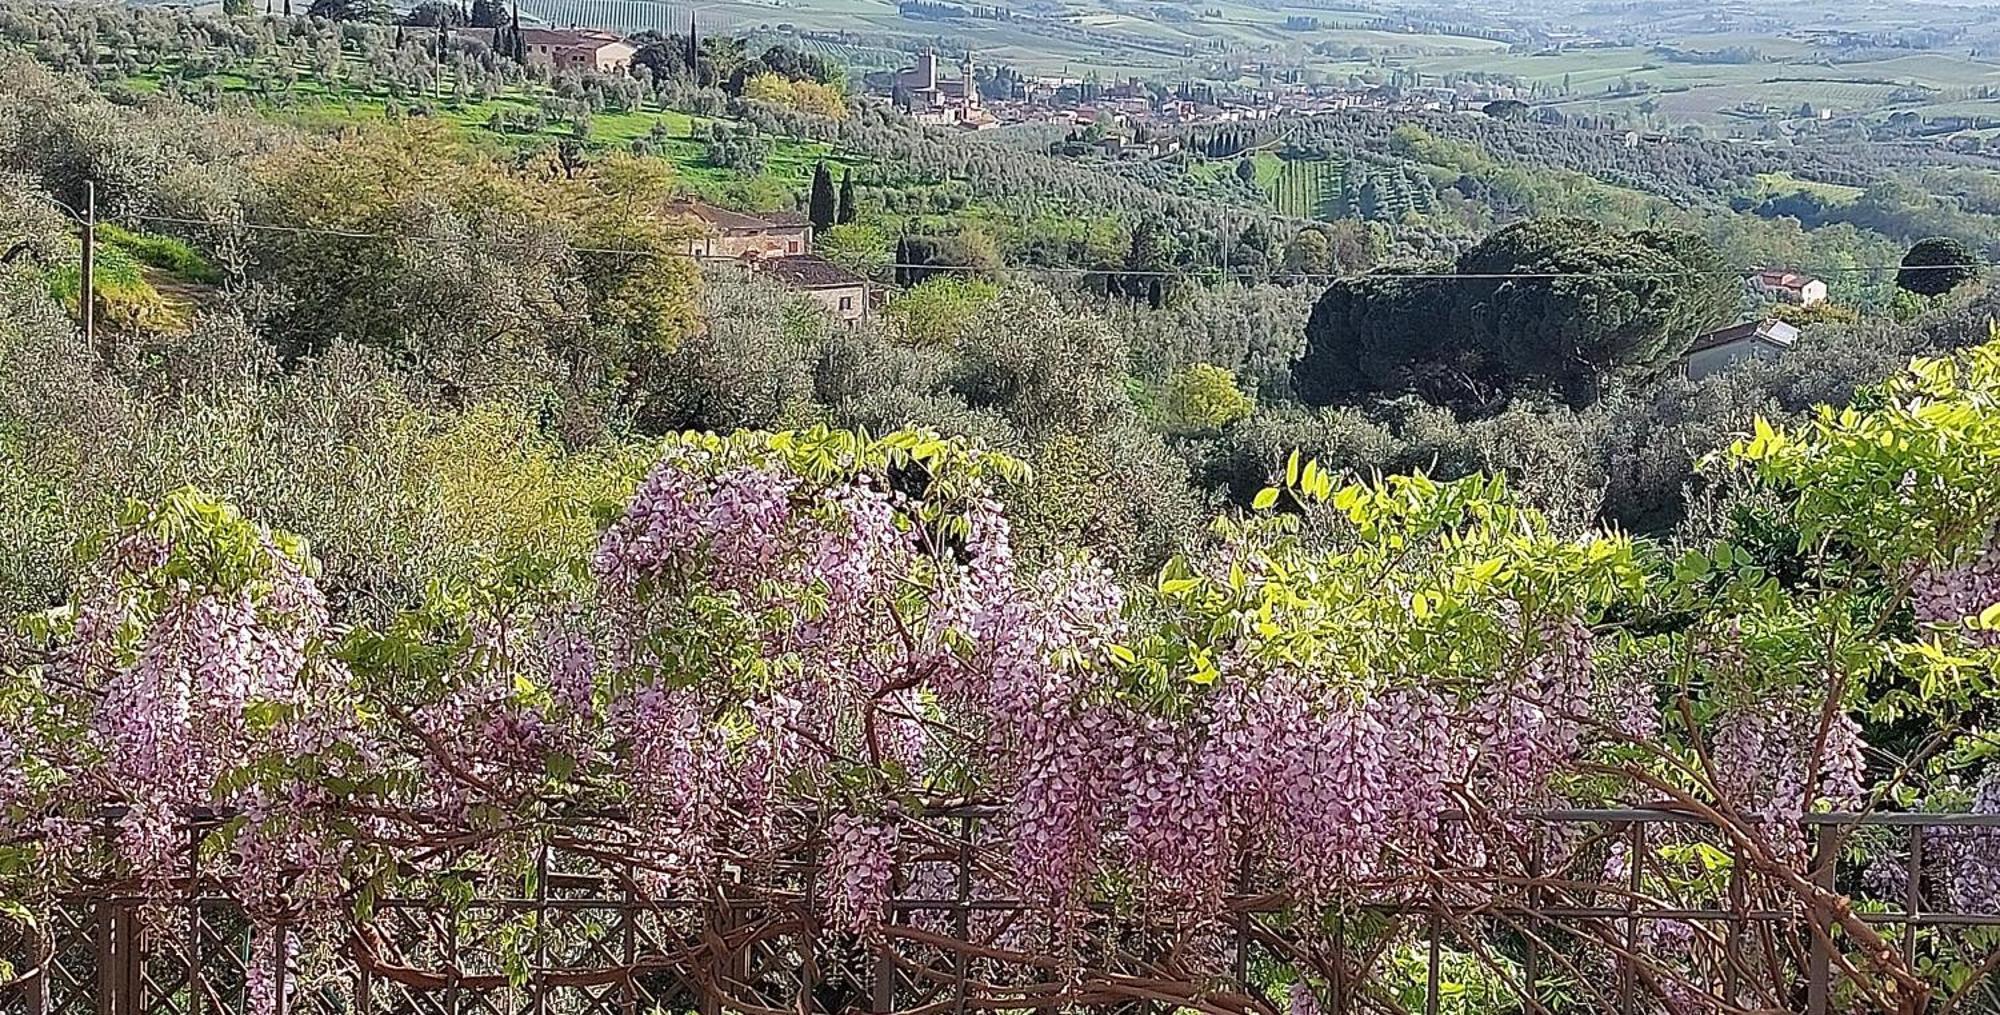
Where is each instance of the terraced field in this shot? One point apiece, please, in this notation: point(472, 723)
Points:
point(1308, 189)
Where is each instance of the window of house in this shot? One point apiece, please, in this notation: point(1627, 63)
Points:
point(792, 246)
point(847, 303)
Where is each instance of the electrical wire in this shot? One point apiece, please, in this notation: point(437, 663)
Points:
point(1204, 274)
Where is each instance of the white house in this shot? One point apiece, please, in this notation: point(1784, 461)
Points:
point(1717, 350)
point(1790, 286)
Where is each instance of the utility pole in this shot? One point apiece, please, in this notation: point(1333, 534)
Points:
point(89, 286)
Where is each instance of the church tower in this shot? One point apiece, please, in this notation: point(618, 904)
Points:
point(971, 89)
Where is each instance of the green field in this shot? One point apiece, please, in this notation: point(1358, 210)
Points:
point(1307, 189)
point(1719, 94)
point(1786, 183)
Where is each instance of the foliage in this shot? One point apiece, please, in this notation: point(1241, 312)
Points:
point(805, 96)
point(1936, 266)
point(124, 299)
point(1560, 304)
point(821, 204)
point(858, 247)
point(447, 371)
point(1202, 398)
point(941, 310)
point(170, 254)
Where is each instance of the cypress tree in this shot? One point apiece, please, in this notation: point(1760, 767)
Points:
point(821, 208)
point(694, 52)
point(518, 44)
point(902, 259)
point(846, 210)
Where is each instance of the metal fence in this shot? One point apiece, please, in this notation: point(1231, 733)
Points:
point(1582, 911)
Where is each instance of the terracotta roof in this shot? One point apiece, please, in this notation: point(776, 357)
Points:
point(1775, 332)
point(569, 38)
point(1775, 278)
point(723, 218)
point(808, 271)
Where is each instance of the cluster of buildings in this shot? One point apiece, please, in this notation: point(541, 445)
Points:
point(1789, 287)
point(1764, 339)
point(937, 101)
point(933, 95)
point(778, 244)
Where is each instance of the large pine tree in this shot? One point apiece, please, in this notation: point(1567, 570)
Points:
point(822, 208)
point(847, 210)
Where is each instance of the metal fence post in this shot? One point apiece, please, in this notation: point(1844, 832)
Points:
point(961, 919)
point(882, 974)
point(1431, 928)
point(1635, 868)
point(1913, 895)
point(1531, 961)
point(541, 972)
point(194, 971)
point(1819, 964)
point(628, 987)
point(107, 973)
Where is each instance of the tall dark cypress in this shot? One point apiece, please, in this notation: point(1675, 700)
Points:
point(520, 45)
point(847, 210)
point(902, 260)
point(822, 207)
point(694, 51)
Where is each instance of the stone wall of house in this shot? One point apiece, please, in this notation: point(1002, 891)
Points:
point(845, 303)
point(777, 241)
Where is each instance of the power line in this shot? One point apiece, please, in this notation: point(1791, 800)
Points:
point(1196, 273)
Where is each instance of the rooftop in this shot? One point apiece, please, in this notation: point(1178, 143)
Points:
point(808, 271)
point(580, 38)
point(1774, 332)
point(723, 218)
point(1778, 278)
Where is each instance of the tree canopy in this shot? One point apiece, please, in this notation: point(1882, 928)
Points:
point(1936, 266)
point(1557, 304)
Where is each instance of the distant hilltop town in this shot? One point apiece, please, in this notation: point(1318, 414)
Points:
point(1136, 117)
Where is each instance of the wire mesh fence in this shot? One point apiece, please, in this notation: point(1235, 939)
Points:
point(1577, 911)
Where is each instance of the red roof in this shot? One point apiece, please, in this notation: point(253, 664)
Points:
point(736, 221)
point(807, 271)
point(1777, 278)
point(569, 38)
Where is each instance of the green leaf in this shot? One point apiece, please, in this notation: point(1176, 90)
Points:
point(1266, 499)
point(1989, 618)
point(1292, 469)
